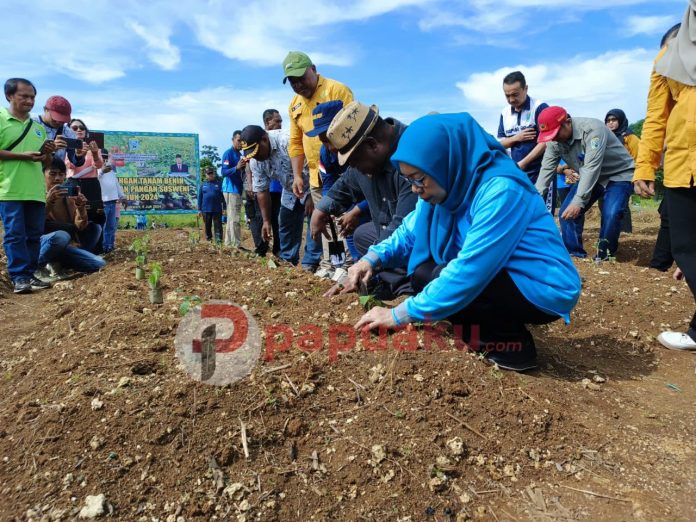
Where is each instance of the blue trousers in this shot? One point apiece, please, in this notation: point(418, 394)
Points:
point(24, 223)
point(55, 247)
point(90, 237)
point(290, 224)
point(110, 225)
point(615, 196)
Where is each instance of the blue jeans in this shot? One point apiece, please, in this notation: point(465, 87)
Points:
point(24, 223)
point(55, 247)
point(615, 196)
point(90, 237)
point(110, 225)
point(290, 223)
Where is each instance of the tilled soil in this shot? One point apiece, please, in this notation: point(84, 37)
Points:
point(94, 401)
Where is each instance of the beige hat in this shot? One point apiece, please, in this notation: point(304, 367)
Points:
point(350, 127)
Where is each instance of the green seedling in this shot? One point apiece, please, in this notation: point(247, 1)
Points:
point(368, 302)
point(190, 301)
point(155, 273)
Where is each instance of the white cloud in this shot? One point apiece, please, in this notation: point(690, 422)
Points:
point(213, 113)
point(648, 24)
point(160, 49)
point(584, 86)
point(508, 16)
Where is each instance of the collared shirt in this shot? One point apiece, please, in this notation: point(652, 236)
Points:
point(231, 176)
point(302, 120)
point(593, 152)
point(670, 124)
point(277, 167)
point(388, 195)
point(513, 122)
point(21, 180)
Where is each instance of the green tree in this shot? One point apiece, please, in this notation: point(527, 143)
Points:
point(210, 153)
point(637, 127)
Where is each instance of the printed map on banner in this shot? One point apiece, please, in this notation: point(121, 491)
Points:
point(159, 172)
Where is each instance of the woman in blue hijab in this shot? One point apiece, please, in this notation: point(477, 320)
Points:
point(480, 247)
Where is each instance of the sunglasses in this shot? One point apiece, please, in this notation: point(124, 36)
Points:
point(78, 127)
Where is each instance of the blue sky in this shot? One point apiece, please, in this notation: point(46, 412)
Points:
point(213, 67)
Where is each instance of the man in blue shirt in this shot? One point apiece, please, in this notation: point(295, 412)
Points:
point(233, 165)
point(211, 204)
point(518, 131)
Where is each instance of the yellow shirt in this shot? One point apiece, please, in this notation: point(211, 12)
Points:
point(632, 142)
point(301, 121)
point(670, 124)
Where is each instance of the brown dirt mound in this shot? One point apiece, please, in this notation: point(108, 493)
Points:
point(95, 402)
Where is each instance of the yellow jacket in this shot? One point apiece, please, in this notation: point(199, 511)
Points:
point(670, 124)
point(301, 121)
point(632, 142)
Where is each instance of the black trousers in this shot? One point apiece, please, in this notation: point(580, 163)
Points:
point(662, 255)
point(275, 212)
point(210, 219)
point(255, 222)
point(496, 317)
point(681, 208)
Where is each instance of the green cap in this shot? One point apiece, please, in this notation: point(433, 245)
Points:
point(295, 64)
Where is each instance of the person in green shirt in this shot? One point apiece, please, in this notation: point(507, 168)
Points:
point(23, 149)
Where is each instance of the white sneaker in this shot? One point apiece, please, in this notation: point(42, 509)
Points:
point(58, 273)
point(44, 274)
point(340, 275)
point(676, 341)
point(324, 272)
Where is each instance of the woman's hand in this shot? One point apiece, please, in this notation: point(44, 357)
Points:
point(378, 317)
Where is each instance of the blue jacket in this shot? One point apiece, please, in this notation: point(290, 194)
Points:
point(490, 220)
point(232, 178)
point(210, 198)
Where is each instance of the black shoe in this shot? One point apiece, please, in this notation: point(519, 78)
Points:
point(22, 286)
point(38, 284)
point(516, 362)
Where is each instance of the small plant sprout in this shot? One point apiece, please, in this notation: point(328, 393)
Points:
point(155, 273)
point(154, 282)
point(140, 267)
point(190, 301)
point(368, 302)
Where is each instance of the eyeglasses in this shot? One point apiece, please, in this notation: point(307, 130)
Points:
point(78, 127)
point(419, 183)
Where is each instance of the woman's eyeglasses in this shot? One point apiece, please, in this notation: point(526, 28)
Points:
point(78, 127)
point(419, 183)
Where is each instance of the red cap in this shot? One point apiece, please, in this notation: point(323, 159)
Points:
point(59, 108)
point(549, 122)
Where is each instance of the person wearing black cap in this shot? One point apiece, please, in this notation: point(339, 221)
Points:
point(269, 159)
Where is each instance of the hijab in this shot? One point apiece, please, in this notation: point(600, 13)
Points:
point(622, 130)
point(679, 61)
point(455, 151)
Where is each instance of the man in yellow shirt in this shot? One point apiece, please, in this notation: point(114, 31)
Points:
point(670, 126)
point(311, 89)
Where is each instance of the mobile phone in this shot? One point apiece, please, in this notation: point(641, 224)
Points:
point(73, 143)
point(70, 188)
point(44, 145)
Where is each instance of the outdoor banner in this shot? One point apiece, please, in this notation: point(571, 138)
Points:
point(159, 172)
